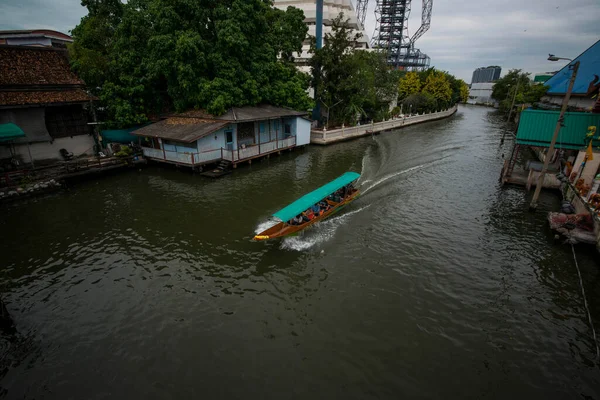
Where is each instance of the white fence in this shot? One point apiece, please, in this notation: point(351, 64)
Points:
point(215, 155)
point(334, 135)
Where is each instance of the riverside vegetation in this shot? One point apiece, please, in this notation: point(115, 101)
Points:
point(144, 58)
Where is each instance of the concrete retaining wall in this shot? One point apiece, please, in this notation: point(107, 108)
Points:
point(337, 135)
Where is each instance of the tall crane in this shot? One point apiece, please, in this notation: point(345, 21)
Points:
point(391, 31)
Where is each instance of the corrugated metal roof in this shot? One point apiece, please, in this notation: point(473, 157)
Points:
point(589, 67)
point(247, 114)
point(192, 125)
point(536, 128)
point(181, 131)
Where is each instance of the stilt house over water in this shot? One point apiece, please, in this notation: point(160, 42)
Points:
point(196, 138)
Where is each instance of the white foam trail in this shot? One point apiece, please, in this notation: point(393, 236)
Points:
point(263, 226)
point(388, 177)
point(319, 233)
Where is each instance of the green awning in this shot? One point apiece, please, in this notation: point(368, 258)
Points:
point(536, 128)
point(308, 200)
point(9, 132)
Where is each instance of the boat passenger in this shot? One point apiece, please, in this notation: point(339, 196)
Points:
point(316, 209)
point(308, 215)
point(324, 206)
point(298, 220)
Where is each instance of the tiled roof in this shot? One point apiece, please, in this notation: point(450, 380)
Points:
point(43, 97)
point(35, 66)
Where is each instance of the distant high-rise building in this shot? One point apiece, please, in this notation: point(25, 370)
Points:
point(486, 74)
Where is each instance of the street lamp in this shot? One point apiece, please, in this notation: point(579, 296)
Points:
point(552, 57)
point(574, 67)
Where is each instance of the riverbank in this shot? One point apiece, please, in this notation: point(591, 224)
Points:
point(325, 137)
point(24, 183)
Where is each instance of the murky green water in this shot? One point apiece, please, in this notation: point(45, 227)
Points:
point(436, 283)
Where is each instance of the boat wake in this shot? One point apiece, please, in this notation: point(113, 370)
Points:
point(318, 233)
point(388, 177)
point(398, 173)
point(263, 226)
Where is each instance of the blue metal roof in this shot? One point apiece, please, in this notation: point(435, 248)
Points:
point(308, 200)
point(588, 67)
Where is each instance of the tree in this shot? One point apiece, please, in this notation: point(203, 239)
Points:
point(409, 84)
point(351, 84)
point(419, 103)
point(534, 93)
point(517, 85)
point(505, 87)
point(166, 55)
point(93, 41)
point(438, 86)
point(464, 91)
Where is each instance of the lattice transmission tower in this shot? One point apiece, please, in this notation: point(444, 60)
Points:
point(391, 32)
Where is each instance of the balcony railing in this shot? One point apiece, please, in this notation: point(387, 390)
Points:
point(206, 157)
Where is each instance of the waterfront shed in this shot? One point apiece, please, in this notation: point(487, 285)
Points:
point(196, 138)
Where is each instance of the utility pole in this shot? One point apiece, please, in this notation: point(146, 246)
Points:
point(559, 123)
point(514, 98)
point(319, 37)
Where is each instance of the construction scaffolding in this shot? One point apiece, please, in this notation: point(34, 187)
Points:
point(391, 32)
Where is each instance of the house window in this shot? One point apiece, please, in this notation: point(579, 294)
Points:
point(287, 129)
point(181, 145)
point(245, 133)
point(66, 121)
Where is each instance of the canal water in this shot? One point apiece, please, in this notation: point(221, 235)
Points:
point(436, 283)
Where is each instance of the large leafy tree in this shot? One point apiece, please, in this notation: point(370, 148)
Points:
point(463, 91)
point(351, 84)
point(419, 103)
point(94, 39)
point(409, 84)
point(431, 90)
point(438, 86)
point(517, 85)
point(166, 55)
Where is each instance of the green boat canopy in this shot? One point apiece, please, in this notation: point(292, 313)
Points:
point(308, 200)
point(10, 132)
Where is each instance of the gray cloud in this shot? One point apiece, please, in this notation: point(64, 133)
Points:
point(58, 15)
point(463, 36)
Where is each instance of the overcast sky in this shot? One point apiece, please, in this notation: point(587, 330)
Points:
point(464, 34)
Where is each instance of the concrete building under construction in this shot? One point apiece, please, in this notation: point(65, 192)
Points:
point(331, 9)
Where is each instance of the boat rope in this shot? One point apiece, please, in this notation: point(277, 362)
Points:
point(587, 309)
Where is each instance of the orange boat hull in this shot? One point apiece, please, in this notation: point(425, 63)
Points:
point(283, 229)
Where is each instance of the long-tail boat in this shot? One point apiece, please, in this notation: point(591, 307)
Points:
point(285, 227)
